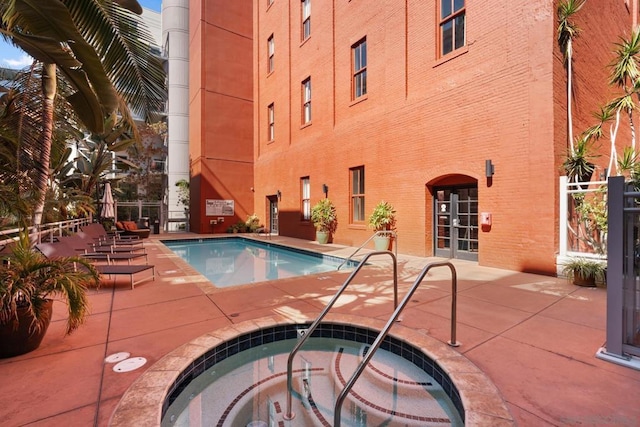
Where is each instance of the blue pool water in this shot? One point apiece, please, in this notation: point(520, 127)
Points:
point(235, 261)
point(243, 383)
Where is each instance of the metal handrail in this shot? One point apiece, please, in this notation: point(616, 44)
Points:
point(381, 336)
point(377, 233)
point(289, 415)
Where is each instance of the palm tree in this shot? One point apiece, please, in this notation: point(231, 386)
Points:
point(100, 49)
point(567, 31)
point(625, 74)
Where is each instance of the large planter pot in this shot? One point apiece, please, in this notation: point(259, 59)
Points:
point(580, 280)
point(382, 243)
point(322, 237)
point(25, 338)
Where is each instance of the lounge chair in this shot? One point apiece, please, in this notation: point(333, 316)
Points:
point(61, 249)
point(113, 246)
point(130, 228)
point(98, 233)
point(79, 245)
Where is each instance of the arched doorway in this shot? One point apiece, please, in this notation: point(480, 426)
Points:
point(455, 219)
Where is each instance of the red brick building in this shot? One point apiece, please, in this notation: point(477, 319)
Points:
point(411, 102)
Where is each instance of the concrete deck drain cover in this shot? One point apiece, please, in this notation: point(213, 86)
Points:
point(117, 357)
point(129, 365)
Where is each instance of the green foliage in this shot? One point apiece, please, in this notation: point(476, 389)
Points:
point(28, 279)
point(592, 219)
point(567, 29)
point(579, 161)
point(324, 216)
point(585, 268)
point(383, 217)
point(253, 223)
point(183, 192)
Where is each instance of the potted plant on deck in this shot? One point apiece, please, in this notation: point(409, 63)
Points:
point(28, 282)
point(584, 271)
point(383, 218)
point(325, 218)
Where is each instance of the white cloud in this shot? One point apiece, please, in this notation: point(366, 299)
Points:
point(19, 63)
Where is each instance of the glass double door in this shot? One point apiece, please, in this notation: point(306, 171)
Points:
point(455, 222)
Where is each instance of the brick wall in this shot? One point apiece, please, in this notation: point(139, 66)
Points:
point(427, 121)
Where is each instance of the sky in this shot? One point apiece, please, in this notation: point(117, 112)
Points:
point(12, 57)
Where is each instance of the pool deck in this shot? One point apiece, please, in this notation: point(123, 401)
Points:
point(534, 336)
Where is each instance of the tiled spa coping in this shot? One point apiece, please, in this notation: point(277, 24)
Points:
point(475, 396)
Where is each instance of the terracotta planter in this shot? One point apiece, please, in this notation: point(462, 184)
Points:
point(580, 280)
point(25, 338)
point(322, 237)
point(382, 243)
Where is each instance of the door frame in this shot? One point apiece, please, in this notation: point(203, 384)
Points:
point(447, 229)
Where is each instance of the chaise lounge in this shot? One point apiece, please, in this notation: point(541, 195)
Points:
point(62, 249)
point(130, 228)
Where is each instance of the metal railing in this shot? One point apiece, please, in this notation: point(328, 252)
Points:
point(380, 233)
point(289, 413)
point(44, 232)
point(398, 308)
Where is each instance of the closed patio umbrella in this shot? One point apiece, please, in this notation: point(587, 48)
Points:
point(108, 210)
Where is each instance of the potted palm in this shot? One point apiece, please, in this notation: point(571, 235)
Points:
point(28, 282)
point(325, 218)
point(383, 218)
point(584, 271)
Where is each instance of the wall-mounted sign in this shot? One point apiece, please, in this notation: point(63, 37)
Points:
point(219, 207)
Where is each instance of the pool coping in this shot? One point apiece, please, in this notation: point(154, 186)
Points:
point(142, 403)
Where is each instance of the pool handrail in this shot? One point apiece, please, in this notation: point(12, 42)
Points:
point(289, 415)
point(382, 335)
point(394, 238)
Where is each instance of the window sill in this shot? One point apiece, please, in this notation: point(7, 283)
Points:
point(359, 100)
point(357, 227)
point(305, 125)
point(451, 55)
point(269, 73)
point(303, 42)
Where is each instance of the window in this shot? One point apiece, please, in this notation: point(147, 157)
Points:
point(359, 68)
point(271, 50)
point(269, 3)
point(452, 25)
point(271, 119)
point(357, 194)
point(306, 19)
point(305, 198)
point(306, 100)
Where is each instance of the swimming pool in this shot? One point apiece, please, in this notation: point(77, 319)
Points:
point(234, 260)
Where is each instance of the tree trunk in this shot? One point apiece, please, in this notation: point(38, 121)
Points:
point(569, 96)
point(49, 87)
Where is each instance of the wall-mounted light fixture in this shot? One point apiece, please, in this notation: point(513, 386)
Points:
point(325, 189)
point(489, 169)
point(279, 194)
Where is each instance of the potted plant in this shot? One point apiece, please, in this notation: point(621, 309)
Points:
point(325, 219)
point(28, 282)
point(584, 271)
point(383, 218)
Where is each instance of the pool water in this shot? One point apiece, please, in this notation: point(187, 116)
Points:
point(249, 389)
point(235, 261)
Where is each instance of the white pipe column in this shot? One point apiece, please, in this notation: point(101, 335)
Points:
point(175, 35)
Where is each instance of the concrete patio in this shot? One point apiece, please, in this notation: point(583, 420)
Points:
point(534, 336)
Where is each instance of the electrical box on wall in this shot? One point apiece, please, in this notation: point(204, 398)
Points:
point(213, 222)
point(485, 218)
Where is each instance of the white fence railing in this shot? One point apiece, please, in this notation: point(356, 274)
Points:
point(45, 232)
point(580, 207)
